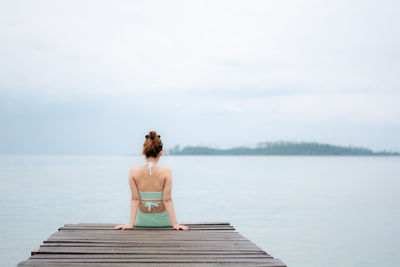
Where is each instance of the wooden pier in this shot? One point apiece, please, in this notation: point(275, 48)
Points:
point(97, 244)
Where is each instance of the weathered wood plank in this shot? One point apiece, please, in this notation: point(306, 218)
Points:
point(126, 239)
point(138, 228)
point(148, 256)
point(28, 263)
point(113, 224)
point(203, 245)
point(104, 226)
point(188, 260)
point(118, 234)
point(121, 235)
point(143, 227)
point(88, 239)
point(148, 232)
point(77, 249)
point(127, 250)
point(153, 252)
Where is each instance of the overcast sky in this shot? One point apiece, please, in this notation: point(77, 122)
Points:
point(93, 77)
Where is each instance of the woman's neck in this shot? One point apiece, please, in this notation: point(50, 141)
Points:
point(154, 160)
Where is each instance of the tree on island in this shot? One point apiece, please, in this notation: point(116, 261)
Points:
point(282, 148)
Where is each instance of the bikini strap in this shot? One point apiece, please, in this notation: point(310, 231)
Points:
point(151, 164)
point(151, 205)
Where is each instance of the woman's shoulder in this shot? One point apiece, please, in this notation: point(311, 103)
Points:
point(165, 169)
point(134, 169)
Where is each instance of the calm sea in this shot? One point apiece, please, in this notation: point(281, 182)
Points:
point(306, 211)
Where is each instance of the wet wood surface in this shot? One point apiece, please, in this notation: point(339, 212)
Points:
point(97, 244)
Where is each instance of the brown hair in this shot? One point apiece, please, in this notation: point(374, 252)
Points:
point(153, 145)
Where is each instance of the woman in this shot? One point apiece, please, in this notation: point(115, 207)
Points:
point(151, 202)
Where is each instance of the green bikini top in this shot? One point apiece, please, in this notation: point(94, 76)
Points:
point(151, 196)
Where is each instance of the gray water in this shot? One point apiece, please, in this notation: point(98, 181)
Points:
point(306, 211)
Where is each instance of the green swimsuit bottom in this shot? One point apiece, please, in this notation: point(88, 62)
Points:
point(159, 219)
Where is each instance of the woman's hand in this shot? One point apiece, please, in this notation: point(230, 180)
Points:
point(183, 227)
point(123, 226)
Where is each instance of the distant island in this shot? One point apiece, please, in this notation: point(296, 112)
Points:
point(282, 148)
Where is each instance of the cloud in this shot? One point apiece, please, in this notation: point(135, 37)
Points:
point(130, 46)
point(265, 67)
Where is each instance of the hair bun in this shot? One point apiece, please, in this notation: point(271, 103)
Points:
point(153, 147)
point(153, 135)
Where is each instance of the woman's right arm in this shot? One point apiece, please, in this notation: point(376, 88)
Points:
point(169, 204)
point(135, 199)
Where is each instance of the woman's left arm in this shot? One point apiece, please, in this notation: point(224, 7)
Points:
point(135, 199)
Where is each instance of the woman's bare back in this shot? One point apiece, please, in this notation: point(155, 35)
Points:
point(150, 183)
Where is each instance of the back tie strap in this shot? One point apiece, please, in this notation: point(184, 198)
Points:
point(151, 164)
point(149, 205)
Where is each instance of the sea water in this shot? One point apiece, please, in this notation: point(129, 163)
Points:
point(307, 211)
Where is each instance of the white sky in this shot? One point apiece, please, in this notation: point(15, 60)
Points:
point(92, 77)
